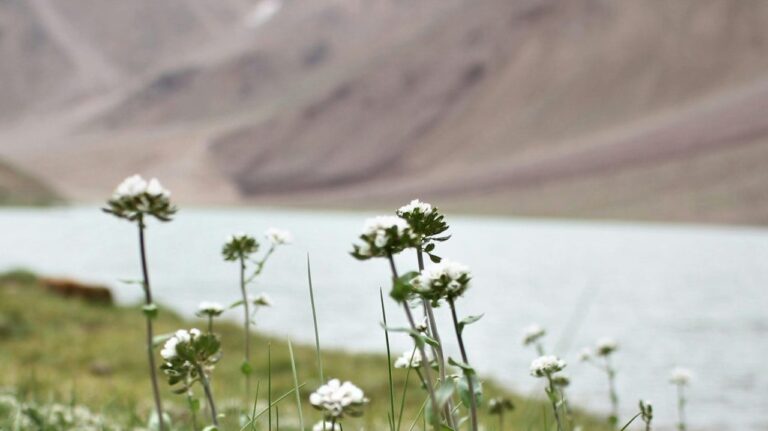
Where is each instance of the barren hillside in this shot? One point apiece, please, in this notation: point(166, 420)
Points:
point(589, 108)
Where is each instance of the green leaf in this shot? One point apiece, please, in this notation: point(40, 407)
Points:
point(434, 258)
point(402, 286)
point(236, 304)
point(150, 310)
point(465, 367)
point(468, 321)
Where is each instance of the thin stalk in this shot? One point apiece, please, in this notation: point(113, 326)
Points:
point(191, 403)
point(296, 387)
point(433, 332)
point(269, 383)
point(460, 339)
point(247, 327)
point(150, 331)
point(501, 420)
point(425, 364)
point(210, 324)
point(680, 408)
point(314, 322)
point(402, 399)
point(614, 419)
point(389, 364)
point(208, 395)
point(552, 394)
point(630, 421)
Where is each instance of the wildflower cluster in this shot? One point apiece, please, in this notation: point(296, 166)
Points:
point(424, 220)
point(410, 359)
point(384, 236)
point(532, 334)
point(189, 354)
point(336, 400)
point(646, 413)
point(136, 197)
point(546, 366)
point(51, 416)
point(444, 280)
point(209, 309)
point(239, 246)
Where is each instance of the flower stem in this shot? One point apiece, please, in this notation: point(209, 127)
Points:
point(614, 418)
point(681, 408)
point(552, 394)
point(150, 332)
point(208, 395)
point(437, 350)
point(472, 400)
point(247, 327)
point(424, 363)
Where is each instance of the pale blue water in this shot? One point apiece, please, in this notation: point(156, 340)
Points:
point(689, 296)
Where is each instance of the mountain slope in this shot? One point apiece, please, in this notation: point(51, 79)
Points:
point(586, 108)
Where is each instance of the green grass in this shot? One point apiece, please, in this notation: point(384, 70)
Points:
point(53, 348)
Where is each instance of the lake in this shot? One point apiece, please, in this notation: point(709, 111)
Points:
point(692, 296)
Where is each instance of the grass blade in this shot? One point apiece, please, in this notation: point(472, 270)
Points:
point(389, 364)
point(296, 386)
point(314, 321)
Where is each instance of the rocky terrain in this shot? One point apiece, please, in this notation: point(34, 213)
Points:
point(585, 108)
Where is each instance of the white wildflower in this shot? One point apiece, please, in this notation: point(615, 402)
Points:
point(533, 333)
point(210, 308)
point(262, 299)
point(546, 365)
point(131, 187)
point(337, 399)
point(278, 236)
point(605, 346)
point(415, 205)
point(168, 352)
point(375, 225)
point(585, 354)
point(680, 376)
point(445, 279)
point(156, 189)
point(410, 359)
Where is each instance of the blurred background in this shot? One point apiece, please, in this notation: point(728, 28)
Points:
point(586, 108)
point(514, 109)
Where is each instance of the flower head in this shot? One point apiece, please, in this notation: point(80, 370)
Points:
point(278, 236)
point(497, 406)
point(239, 246)
point(136, 197)
point(383, 236)
point(424, 220)
point(680, 376)
point(186, 353)
point(210, 309)
point(547, 365)
point(646, 410)
point(409, 359)
point(338, 399)
point(585, 354)
point(262, 300)
point(605, 346)
point(446, 279)
point(532, 333)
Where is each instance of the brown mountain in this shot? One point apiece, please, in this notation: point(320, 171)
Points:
point(589, 108)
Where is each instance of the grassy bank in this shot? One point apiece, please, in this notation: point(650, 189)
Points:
point(54, 348)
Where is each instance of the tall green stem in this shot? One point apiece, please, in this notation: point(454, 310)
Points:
point(437, 350)
point(150, 332)
point(247, 326)
point(552, 393)
point(208, 395)
point(614, 418)
point(680, 408)
point(463, 350)
point(424, 362)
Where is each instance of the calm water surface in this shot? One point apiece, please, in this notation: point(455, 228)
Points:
point(691, 296)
